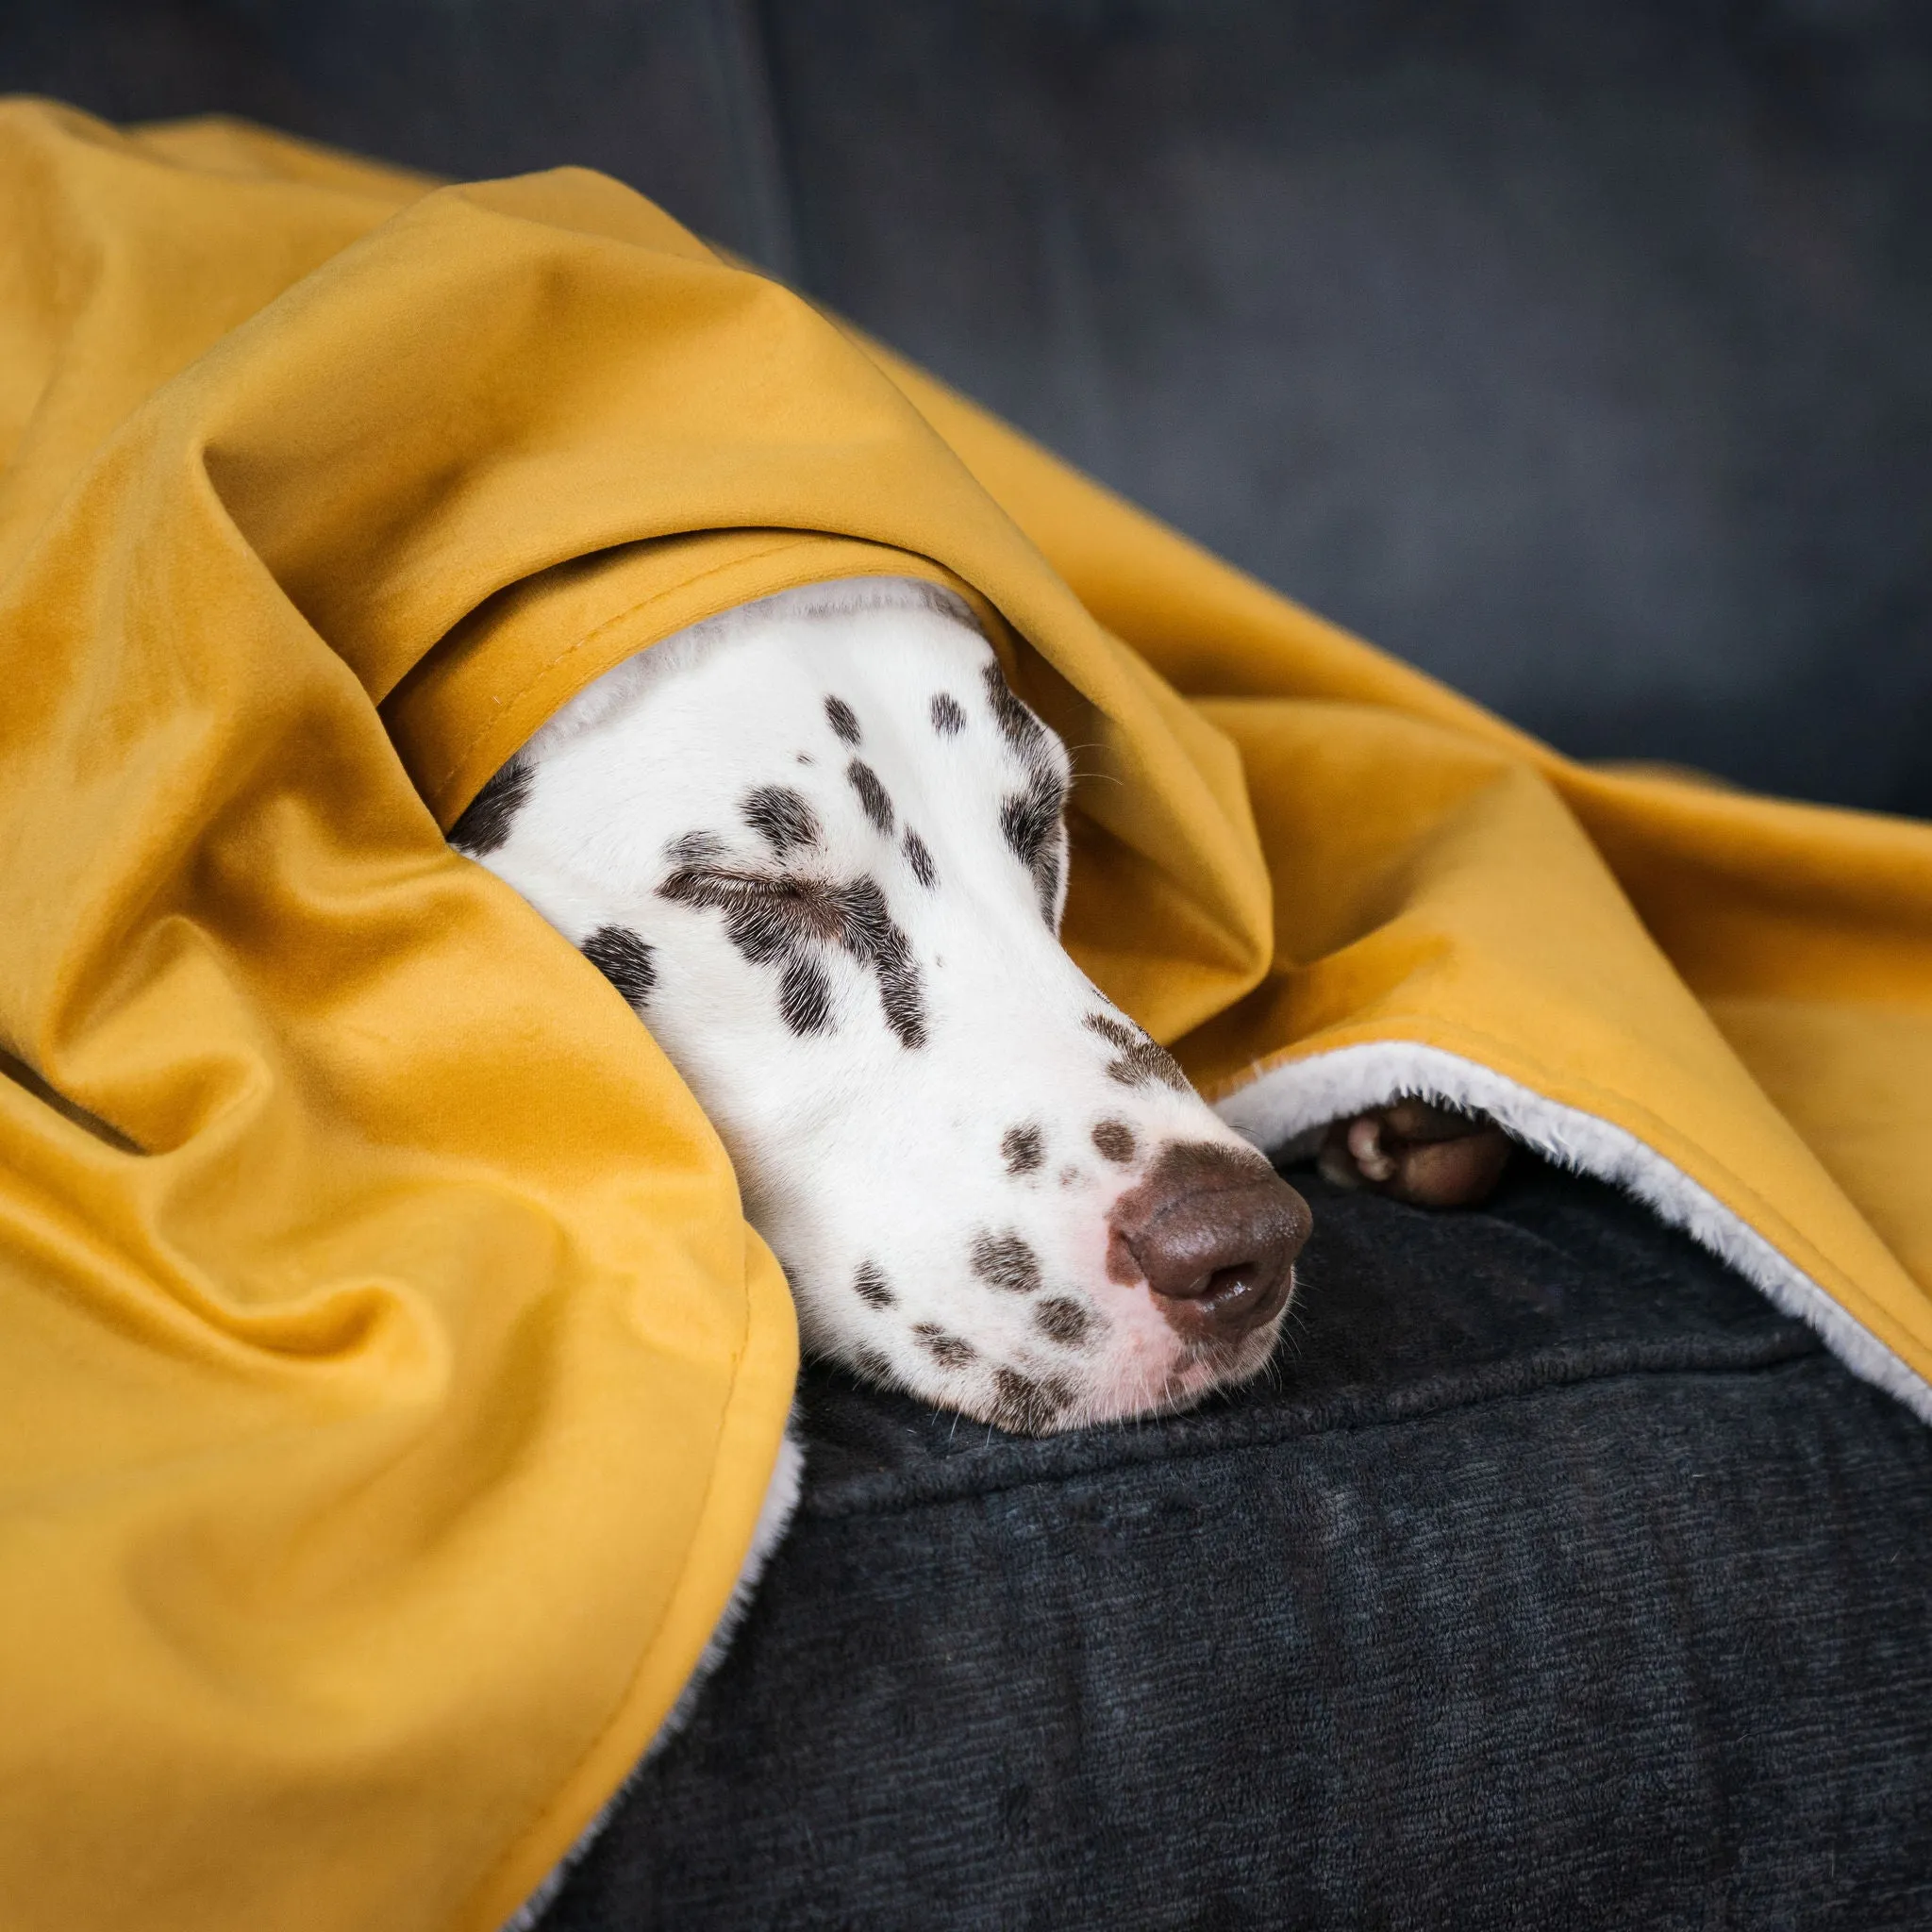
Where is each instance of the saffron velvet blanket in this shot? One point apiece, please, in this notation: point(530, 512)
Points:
point(388, 1378)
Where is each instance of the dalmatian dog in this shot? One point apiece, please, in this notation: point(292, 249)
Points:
point(819, 846)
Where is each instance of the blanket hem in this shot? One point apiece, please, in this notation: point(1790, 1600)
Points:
point(1282, 1104)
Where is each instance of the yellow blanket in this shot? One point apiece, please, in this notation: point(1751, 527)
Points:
point(389, 1379)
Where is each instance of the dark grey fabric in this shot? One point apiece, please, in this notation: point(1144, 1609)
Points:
point(1575, 349)
point(1553, 1581)
point(666, 94)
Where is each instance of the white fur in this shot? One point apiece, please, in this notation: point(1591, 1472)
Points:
point(854, 1151)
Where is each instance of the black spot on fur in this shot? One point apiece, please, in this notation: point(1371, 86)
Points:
point(803, 759)
point(1062, 1319)
point(1069, 1176)
point(781, 817)
point(805, 997)
point(1114, 1140)
point(1018, 725)
point(845, 719)
point(1029, 818)
point(1004, 1260)
point(1046, 881)
point(1026, 1406)
point(1141, 1061)
point(949, 1351)
point(625, 960)
point(948, 715)
point(873, 938)
point(1025, 1148)
point(872, 795)
point(919, 859)
point(1030, 821)
point(775, 919)
point(692, 847)
point(485, 823)
point(874, 1365)
point(870, 1287)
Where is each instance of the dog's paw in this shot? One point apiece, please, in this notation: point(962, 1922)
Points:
point(1411, 1150)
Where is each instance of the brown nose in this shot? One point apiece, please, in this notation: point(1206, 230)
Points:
point(1213, 1231)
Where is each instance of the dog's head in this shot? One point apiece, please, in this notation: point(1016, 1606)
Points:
point(818, 845)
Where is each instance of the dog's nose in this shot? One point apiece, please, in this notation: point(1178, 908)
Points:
point(1214, 1233)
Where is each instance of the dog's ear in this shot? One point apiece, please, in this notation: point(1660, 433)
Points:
point(1410, 1150)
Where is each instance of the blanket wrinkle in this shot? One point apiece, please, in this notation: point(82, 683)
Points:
point(392, 1383)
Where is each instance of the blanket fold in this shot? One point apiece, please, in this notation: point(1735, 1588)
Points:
point(391, 1381)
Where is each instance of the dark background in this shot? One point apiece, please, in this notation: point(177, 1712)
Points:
point(1581, 353)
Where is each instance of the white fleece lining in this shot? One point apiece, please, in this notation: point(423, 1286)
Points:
point(774, 1518)
point(1293, 1100)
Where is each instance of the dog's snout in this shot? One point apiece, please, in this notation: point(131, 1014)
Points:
point(1213, 1231)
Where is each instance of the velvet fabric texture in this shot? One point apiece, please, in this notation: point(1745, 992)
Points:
point(391, 1378)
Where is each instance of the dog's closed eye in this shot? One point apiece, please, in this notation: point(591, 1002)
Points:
point(782, 919)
